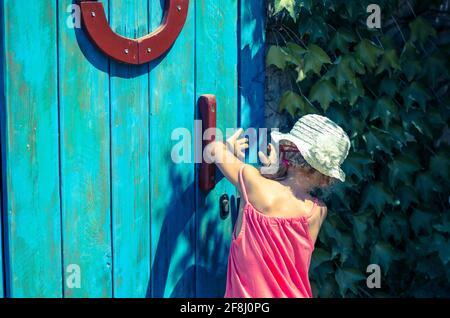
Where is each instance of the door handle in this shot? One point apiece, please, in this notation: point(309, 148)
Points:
point(134, 51)
point(208, 111)
point(225, 206)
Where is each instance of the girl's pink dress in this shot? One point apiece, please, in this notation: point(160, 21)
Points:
point(270, 257)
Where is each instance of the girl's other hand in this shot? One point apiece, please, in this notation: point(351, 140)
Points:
point(267, 161)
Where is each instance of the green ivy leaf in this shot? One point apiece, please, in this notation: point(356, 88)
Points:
point(277, 56)
point(348, 278)
point(340, 194)
point(431, 268)
point(343, 248)
point(419, 247)
point(292, 103)
point(368, 53)
point(421, 30)
point(300, 74)
point(421, 222)
point(339, 116)
point(415, 93)
point(344, 72)
point(315, 27)
point(354, 10)
point(324, 92)
point(362, 222)
point(365, 106)
point(329, 287)
point(336, 230)
point(355, 64)
point(415, 118)
point(355, 92)
point(441, 245)
point(388, 87)
point(394, 226)
point(384, 254)
point(435, 67)
point(342, 40)
point(296, 53)
point(385, 109)
point(358, 164)
point(377, 196)
point(407, 196)
point(288, 5)
point(388, 62)
point(425, 185)
point(377, 139)
point(400, 135)
point(357, 126)
point(315, 58)
point(435, 117)
point(320, 256)
point(410, 61)
point(440, 165)
point(401, 170)
point(307, 4)
point(295, 48)
point(444, 227)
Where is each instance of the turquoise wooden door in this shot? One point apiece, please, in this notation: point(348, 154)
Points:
point(88, 184)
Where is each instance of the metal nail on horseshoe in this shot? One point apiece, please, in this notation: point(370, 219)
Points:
point(134, 51)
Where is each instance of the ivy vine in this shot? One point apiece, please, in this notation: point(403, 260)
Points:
point(388, 88)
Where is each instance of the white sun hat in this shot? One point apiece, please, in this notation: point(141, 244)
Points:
point(322, 143)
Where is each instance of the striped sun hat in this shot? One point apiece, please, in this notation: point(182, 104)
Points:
point(322, 143)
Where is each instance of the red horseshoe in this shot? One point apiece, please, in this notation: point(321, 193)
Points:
point(134, 51)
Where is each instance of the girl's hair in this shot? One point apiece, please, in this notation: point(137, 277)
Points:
point(294, 160)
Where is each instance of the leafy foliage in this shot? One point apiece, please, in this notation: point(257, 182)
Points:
point(388, 88)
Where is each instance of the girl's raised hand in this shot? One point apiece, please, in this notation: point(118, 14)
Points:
point(237, 145)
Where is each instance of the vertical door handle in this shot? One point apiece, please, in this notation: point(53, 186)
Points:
point(208, 111)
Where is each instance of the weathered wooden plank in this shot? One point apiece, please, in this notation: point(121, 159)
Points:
point(217, 67)
point(252, 67)
point(172, 185)
point(252, 62)
point(130, 158)
point(31, 158)
point(2, 142)
point(2, 280)
point(85, 160)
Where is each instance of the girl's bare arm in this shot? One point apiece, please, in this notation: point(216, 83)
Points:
point(229, 157)
point(218, 153)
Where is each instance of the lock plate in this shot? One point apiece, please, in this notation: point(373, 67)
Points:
point(225, 206)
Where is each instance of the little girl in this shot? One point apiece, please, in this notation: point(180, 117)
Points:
point(279, 220)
